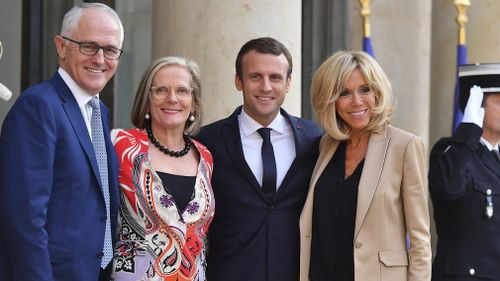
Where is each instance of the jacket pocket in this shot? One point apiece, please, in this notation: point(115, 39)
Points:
point(59, 253)
point(393, 258)
point(485, 187)
point(393, 265)
point(471, 266)
point(484, 202)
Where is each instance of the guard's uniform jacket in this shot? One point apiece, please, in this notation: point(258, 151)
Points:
point(464, 182)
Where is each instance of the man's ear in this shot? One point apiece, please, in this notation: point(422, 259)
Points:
point(288, 83)
point(60, 46)
point(238, 83)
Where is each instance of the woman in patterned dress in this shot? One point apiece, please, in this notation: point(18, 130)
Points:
point(167, 202)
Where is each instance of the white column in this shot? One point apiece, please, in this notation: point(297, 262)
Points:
point(10, 63)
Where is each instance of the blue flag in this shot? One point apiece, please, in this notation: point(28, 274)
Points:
point(461, 59)
point(367, 46)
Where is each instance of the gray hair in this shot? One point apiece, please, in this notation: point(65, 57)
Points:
point(72, 17)
point(142, 102)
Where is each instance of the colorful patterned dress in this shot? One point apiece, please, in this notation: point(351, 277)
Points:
point(155, 240)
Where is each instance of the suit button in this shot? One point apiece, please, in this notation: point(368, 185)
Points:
point(472, 271)
point(100, 255)
point(271, 209)
point(358, 244)
point(103, 218)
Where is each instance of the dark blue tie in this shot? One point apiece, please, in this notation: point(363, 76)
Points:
point(268, 163)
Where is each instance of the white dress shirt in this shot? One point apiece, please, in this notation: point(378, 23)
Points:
point(282, 139)
point(488, 144)
point(82, 98)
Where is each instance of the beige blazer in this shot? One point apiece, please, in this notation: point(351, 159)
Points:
point(392, 201)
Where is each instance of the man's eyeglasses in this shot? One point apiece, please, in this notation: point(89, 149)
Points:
point(91, 48)
point(162, 92)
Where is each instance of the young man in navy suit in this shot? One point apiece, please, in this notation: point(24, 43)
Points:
point(464, 183)
point(259, 195)
point(58, 176)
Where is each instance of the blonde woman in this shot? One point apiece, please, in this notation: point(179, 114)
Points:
point(368, 189)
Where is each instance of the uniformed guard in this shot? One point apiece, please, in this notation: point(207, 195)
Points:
point(464, 182)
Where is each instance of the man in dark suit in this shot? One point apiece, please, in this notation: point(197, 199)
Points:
point(259, 187)
point(58, 176)
point(464, 182)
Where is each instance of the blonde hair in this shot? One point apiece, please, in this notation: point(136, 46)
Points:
point(142, 102)
point(330, 80)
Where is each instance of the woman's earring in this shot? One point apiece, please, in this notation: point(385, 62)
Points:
point(191, 117)
point(147, 116)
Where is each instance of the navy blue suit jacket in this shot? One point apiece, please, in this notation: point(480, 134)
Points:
point(52, 210)
point(461, 172)
point(251, 237)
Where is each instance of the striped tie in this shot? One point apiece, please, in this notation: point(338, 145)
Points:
point(102, 160)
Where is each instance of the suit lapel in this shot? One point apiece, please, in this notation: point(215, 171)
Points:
point(110, 150)
point(75, 117)
point(298, 133)
point(298, 137)
point(489, 161)
point(374, 163)
point(232, 139)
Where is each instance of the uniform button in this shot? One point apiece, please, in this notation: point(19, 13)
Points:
point(488, 191)
point(100, 255)
point(472, 271)
point(358, 244)
point(271, 209)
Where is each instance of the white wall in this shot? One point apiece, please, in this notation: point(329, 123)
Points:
point(10, 64)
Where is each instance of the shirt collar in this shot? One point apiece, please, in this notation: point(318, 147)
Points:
point(250, 126)
point(488, 145)
point(82, 97)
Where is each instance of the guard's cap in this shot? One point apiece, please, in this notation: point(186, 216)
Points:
point(485, 75)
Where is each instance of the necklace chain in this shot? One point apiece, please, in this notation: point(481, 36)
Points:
point(166, 150)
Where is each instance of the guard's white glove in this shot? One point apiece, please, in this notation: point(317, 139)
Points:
point(473, 112)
